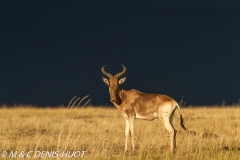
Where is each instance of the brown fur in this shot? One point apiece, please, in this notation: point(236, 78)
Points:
point(135, 104)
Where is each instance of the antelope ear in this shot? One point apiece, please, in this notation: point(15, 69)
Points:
point(105, 80)
point(122, 80)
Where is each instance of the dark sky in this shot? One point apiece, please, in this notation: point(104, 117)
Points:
point(51, 50)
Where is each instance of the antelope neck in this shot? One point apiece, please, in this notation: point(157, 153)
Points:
point(119, 96)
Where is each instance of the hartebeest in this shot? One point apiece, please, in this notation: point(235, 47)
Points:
point(135, 104)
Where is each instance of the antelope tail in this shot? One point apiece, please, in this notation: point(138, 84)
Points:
point(181, 118)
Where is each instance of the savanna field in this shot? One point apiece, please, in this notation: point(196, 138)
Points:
point(97, 133)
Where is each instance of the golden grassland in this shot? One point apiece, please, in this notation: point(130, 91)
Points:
point(215, 134)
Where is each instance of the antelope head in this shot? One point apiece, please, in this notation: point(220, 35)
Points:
point(113, 83)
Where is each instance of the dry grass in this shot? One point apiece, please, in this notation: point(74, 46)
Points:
point(99, 131)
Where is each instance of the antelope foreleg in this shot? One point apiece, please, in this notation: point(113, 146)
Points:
point(131, 125)
point(126, 135)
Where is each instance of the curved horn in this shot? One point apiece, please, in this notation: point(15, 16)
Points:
point(106, 73)
point(121, 73)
